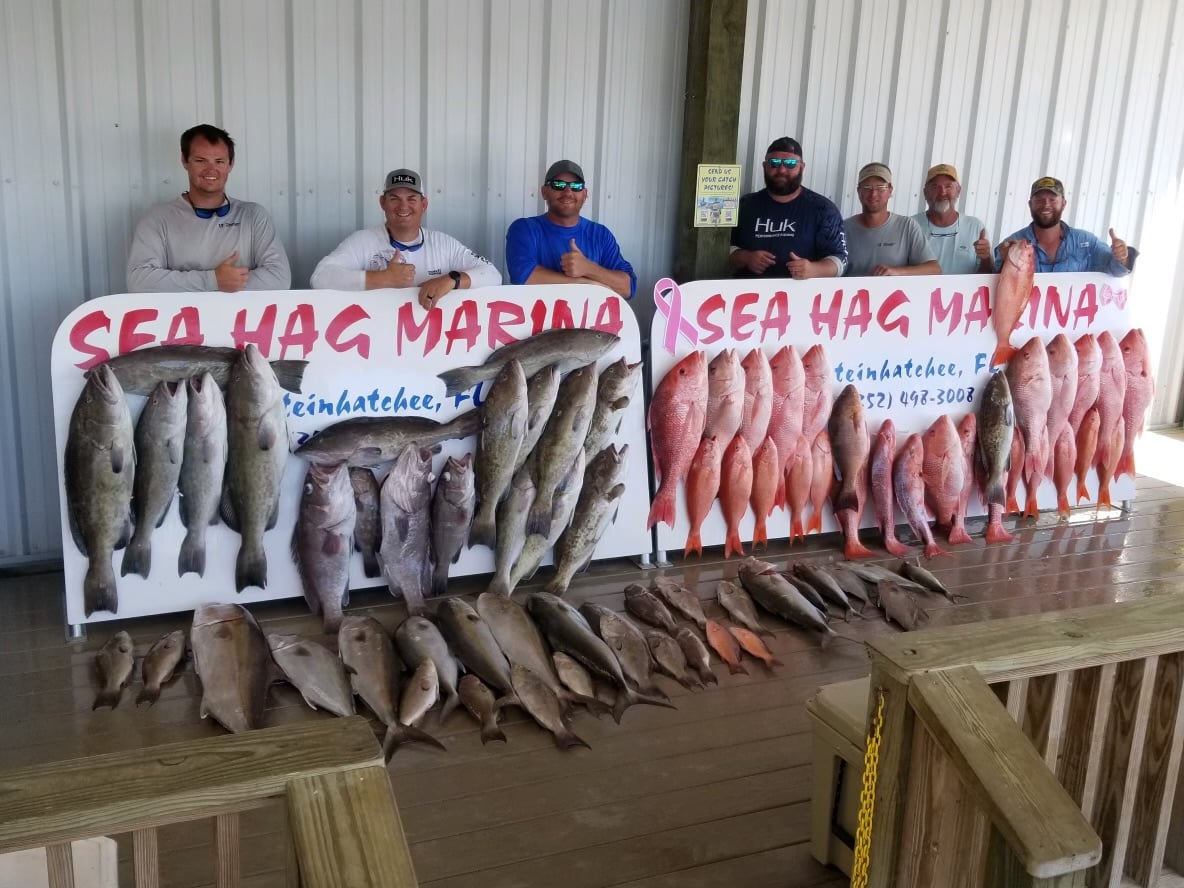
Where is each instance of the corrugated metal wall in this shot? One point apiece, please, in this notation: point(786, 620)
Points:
point(322, 98)
point(1006, 90)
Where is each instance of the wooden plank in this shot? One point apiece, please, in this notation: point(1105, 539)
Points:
point(1038, 711)
point(228, 851)
point(764, 868)
point(347, 831)
point(59, 859)
point(1004, 870)
point(1158, 773)
point(1130, 711)
point(147, 861)
point(1003, 772)
point(892, 777)
point(1174, 855)
point(1089, 712)
point(121, 792)
point(1035, 645)
point(1017, 700)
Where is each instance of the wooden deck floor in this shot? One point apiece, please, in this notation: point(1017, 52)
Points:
point(716, 793)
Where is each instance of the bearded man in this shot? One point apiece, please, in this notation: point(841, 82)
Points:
point(786, 230)
point(957, 240)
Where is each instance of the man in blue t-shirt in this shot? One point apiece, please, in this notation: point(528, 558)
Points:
point(786, 230)
point(561, 247)
point(1060, 247)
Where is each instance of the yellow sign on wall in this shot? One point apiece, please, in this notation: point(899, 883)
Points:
point(717, 195)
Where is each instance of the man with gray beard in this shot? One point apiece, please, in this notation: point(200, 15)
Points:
point(786, 230)
point(959, 242)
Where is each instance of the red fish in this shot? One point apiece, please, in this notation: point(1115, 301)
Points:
point(820, 393)
point(785, 417)
point(1015, 474)
point(1087, 447)
point(944, 472)
point(1062, 374)
point(967, 429)
point(908, 485)
point(725, 396)
point(1111, 395)
point(676, 419)
point(754, 646)
point(735, 488)
point(822, 467)
point(766, 477)
point(1064, 458)
point(1031, 393)
point(1140, 391)
point(850, 445)
point(724, 643)
point(1013, 289)
point(758, 398)
point(1089, 377)
point(702, 488)
point(880, 466)
point(798, 483)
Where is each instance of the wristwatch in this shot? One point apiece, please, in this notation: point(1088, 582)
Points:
point(455, 275)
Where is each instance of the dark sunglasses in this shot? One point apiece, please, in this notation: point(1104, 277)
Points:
point(560, 185)
point(776, 162)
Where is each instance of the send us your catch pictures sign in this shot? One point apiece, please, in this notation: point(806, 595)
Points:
point(373, 354)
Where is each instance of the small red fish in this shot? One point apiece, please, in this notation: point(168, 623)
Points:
point(766, 474)
point(676, 419)
point(1062, 373)
point(725, 396)
point(944, 471)
point(1140, 391)
point(1111, 395)
point(1087, 446)
point(850, 445)
point(1064, 459)
point(1030, 381)
point(758, 398)
point(724, 643)
point(821, 478)
point(1015, 474)
point(908, 486)
point(702, 488)
point(752, 645)
point(820, 393)
point(735, 488)
point(967, 429)
point(1089, 378)
point(880, 466)
point(799, 475)
point(785, 417)
point(1013, 289)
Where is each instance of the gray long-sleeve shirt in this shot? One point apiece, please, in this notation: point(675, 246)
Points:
point(175, 251)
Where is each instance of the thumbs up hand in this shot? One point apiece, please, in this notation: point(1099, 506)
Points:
point(799, 268)
point(982, 248)
point(230, 277)
point(1118, 247)
point(574, 263)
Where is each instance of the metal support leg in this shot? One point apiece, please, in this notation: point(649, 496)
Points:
point(660, 559)
point(76, 632)
point(643, 561)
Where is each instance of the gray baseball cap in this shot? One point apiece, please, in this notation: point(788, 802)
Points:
point(559, 167)
point(403, 179)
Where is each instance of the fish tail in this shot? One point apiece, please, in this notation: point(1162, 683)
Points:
point(457, 380)
point(108, 698)
point(567, 739)
point(773, 661)
point(148, 694)
point(398, 734)
point(625, 699)
point(499, 585)
point(484, 529)
point(815, 522)
point(370, 564)
point(491, 731)
point(451, 701)
point(707, 676)
point(192, 557)
point(996, 533)
point(736, 668)
point(662, 509)
point(1082, 492)
point(1062, 505)
point(137, 557)
point(734, 544)
point(440, 580)
point(1104, 495)
point(557, 585)
point(539, 520)
point(1013, 506)
point(289, 374)
point(995, 492)
point(1004, 352)
point(99, 592)
point(855, 549)
point(1031, 506)
point(895, 546)
point(331, 620)
point(779, 498)
point(760, 534)
point(795, 529)
point(694, 543)
point(958, 535)
point(1126, 465)
point(251, 567)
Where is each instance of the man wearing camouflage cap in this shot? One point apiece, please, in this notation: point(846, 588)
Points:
point(1060, 247)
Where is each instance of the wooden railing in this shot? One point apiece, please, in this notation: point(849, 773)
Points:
point(1031, 751)
point(344, 825)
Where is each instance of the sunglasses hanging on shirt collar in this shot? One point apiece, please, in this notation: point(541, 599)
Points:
point(407, 248)
point(204, 213)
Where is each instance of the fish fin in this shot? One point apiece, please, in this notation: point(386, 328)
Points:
point(1031, 506)
point(125, 535)
point(996, 533)
point(345, 593)
point(957, 536)
point(250, 568)
point(226, 509)
point(333, 544)
point(107, 698)
point(1003, 353)
point(1063, 509)
point(118, 458)
point(795, 529)
point(137, 558)
point(98, 588)
point(1104, 495)
point(733, 543)
point(398, 734)
point(1126, 465)
point(815, 522)
point(694, 543)
point(773, 661)
point(855, 549)
point(932, 550)
point(995, 493)
point(492, 732)
point(457, 380)
point(737, 669)
point(289, 374)
point(370, 565)
point(1082, 491)
point(274, 516)
point(148, 695)
point(567, 738)
point(483, 531)
point(760, 534)
point(265, 433)
point(662, 508)
point(76, 531)
point(1013, 506)
point(538, 521)
point(498, 586)
point(896, 547)
point(192, 557)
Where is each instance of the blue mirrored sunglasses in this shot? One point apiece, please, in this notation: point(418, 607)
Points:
point(776, 162)
point(561, 185)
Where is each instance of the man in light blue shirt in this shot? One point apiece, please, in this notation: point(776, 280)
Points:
point(1061, 248)
point(958, 241)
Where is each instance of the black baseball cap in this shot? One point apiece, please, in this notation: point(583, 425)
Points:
point(786, 144)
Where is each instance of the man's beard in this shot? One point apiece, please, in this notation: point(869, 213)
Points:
point(941, 207)
point(782, 187)
point(1052, 223)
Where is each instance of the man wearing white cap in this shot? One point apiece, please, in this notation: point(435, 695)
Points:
point(880, 242)
point(399, 253)
point(562, 247)
point(959, 242)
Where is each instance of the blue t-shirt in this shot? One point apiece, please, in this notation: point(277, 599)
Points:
point(535, 241)
point(1079, 251)
point(809, 226)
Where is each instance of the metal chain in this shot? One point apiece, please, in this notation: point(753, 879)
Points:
point(867, 798)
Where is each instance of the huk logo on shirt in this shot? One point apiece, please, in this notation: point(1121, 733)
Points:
point(775, 226)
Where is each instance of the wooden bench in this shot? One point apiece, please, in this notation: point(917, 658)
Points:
point(345, 827)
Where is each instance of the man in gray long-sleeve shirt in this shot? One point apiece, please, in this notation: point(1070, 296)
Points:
point(204, 240)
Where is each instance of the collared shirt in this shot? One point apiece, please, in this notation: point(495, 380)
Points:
point(371, 250)
point(953, 245)
point(1079, 251)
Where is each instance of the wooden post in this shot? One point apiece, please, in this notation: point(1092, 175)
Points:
point(228, 851)
point(347, 831)
point(711, 120)
point(1005, 871)
point(144, 851)
point(60, 860)
point(892, 779)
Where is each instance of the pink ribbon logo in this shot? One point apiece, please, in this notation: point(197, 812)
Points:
point(671, 309)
